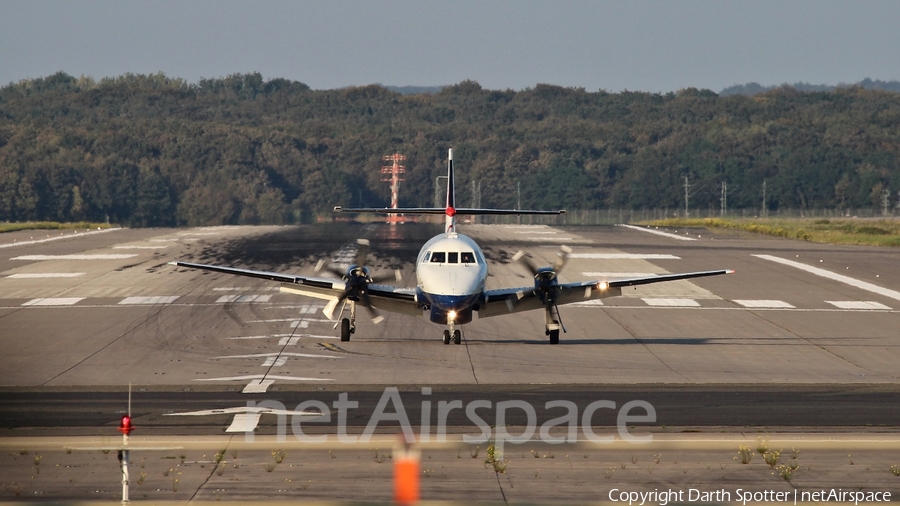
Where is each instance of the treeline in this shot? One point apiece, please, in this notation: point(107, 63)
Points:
point(751, 89)
point(150, 150)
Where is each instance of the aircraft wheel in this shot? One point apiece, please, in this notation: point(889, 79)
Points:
point(446, 337)
point(554, 336)
point(345, 329)
point(457, 337)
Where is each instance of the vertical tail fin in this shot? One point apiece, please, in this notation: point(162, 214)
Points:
point(450, 220)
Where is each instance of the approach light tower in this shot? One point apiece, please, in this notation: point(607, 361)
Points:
point(391, 174)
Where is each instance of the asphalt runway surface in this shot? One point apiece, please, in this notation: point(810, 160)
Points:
point(802, 339)
point(796, 346)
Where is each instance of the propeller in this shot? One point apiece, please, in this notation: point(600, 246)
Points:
point(546, 279)
point(357, 280)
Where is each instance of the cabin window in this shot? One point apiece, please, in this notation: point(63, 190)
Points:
point(467, 257)
point(453, 257)
point(438, 257)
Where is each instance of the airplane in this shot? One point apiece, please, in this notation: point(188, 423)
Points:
point(451, 271)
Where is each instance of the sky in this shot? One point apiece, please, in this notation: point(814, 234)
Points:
point(655, 46)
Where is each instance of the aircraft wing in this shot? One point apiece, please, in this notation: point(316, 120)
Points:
point(514, 300)
point(388, 298)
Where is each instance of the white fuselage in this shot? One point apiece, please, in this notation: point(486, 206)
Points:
point(451, 271)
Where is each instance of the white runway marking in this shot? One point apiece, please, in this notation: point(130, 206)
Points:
point(244, 422)
point(292, 341)
point(54, 301)
point(538, 232)
point(261, 376)
point(671, 302)
point(589, 303)
point(764, 303)
point(272, 355)
point(246, 418)
point(245, 288)
point(260, 337)
point(37, 275)
point(140, 247)
point(286, 339)
point(114, 256)
point(564, 239)
point(624, 256)
point(244, 298)
point(257, 387)
point(618, 275)
point(149, 300)
point(857, 304)
point(245, 409)
point(58, 237)
point(863, 285)
point(276, 320)
point(657, 232)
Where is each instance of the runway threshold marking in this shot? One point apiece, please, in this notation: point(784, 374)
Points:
point(618, 275)
point(863, 285)
point(245, 288)
point(671, 302)
point(244, 298)
point(159, 299)
point(857, 304)
point(111, 256)
point(624, 256)
point(764, 304)
point(40, 275)
point(658, 232)
point(54, 301)
point(58, 238)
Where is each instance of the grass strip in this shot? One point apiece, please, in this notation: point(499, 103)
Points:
point(51, 225)
point(866, 232)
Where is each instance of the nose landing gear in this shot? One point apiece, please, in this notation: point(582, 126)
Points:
point(348, 325)
point(453, 333)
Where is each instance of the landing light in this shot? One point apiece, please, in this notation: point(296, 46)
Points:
point(603, 285)
point(451, 315)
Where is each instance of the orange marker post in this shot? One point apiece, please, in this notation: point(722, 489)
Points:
point(406, 473)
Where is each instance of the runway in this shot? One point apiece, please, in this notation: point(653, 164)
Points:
point(802, 338)
point(114, 320)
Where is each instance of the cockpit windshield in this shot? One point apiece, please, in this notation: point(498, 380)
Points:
point(451, 257)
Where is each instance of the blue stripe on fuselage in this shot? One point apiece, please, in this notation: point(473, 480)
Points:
point(452, 302)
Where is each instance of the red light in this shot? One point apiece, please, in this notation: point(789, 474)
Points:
point(125, 426)
point(451, 211)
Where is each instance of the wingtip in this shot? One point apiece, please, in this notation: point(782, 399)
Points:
point(173, 263)
point(729, 271)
